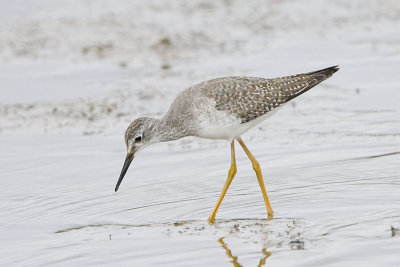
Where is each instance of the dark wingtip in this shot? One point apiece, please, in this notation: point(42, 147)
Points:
point(116, 188)
point(316, 77)
point(327, 71)
point(333, 68)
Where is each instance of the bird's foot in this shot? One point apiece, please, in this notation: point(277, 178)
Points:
point(211, 219)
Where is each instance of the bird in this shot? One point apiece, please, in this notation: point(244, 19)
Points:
point(222, 108)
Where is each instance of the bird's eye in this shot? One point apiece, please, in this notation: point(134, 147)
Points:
point(138, 139)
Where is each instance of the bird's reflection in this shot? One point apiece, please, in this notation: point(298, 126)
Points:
point(264, 259)
point(234, 259)
point(229, 253)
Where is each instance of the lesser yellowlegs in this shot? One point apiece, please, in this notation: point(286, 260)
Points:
point(222, 108)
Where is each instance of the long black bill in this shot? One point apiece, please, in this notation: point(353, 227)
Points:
point(128, 160)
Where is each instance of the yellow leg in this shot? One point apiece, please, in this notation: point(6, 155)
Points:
point(231, 174)
point(256, 167)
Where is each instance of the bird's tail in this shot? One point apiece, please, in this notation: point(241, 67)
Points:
point(314, 78)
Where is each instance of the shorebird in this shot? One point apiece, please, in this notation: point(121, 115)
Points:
point(222, 108)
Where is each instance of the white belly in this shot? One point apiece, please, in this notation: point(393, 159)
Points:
point(222, 125)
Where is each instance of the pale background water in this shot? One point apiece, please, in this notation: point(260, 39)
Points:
point(73, 74)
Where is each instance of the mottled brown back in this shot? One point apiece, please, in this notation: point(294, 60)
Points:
point(249, 98)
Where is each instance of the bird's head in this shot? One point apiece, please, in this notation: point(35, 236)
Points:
point(137, 136)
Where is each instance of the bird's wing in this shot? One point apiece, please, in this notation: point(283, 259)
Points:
point(248, 98)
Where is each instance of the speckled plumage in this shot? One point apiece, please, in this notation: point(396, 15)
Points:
point(224, 108)
point(249, 97)
point(220, 105)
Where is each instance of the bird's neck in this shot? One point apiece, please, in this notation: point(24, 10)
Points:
point(164, 131)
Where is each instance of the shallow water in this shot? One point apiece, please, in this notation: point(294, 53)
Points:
point(63, 210)
point(330, 158)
